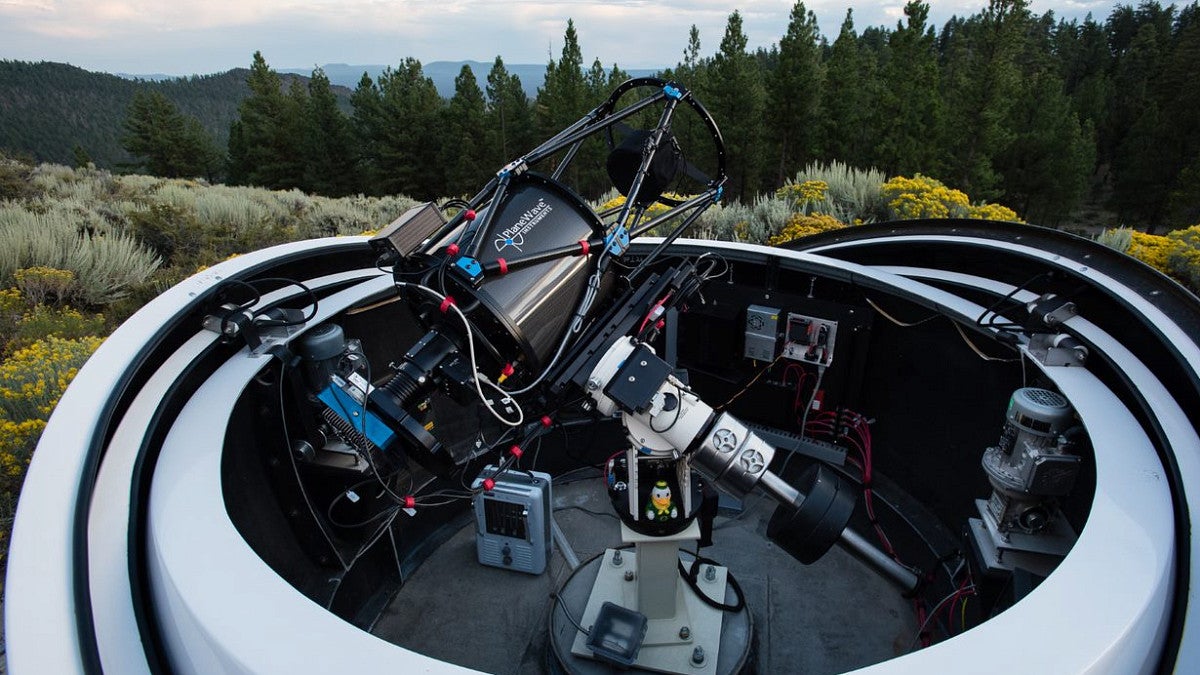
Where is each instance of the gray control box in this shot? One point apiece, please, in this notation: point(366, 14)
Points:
point(512, 520)
point(762, 332)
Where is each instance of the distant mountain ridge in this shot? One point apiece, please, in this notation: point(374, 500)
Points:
point(47, 109)
point(532, 75)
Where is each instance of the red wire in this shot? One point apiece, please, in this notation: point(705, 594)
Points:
point(610, 458)
point(653, 307)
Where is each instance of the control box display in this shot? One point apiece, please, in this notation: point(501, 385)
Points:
point(810, 339)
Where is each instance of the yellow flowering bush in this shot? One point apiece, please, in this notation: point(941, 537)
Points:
point(653, 211)
point(32, 379)
point(21, 325)
point(1176, 254)
point(1184, 258)
point(1152, 249)
point(12, 305)
point(993, 212)
point(804, 192)
point(40, 284)
point(925, 197)
point(43, 321)
point(31, 382)
point(801, 225)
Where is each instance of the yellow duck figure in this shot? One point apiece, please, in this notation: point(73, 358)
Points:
point(661, 508)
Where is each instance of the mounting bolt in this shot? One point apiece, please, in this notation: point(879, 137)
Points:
point(698, 656)
point(594, 384)
point(685, 633)
point(617, 561)
point(628, 575)
point(710, 573)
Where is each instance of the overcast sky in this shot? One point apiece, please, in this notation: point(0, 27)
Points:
point(182, 37)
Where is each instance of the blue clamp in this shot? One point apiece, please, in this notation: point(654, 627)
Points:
point(470, 267)
point(672, 92)
point(719, 194)
point(618, 241)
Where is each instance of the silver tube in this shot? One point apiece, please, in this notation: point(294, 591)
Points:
point(564, 546)
point(904, 577)
point(779, 489)
point(784, 493)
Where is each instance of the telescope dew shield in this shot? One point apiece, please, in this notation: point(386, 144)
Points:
point(529, 308)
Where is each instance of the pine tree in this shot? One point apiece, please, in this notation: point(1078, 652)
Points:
point(466, 146)
point(1141, 175)
point(850, 92)
point(794, 94)
point(508, 117)
point(564, 98)
point(909, 112)
point(330, 150)
point(167, 142)
point(980, 80)
point(1180, 85)
point(82, 159)
point(736, 97)
point(407, 136)
point(366, 124)
point(268, 151)
point(1047, 163)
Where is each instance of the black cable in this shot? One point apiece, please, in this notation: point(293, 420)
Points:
point(690, 576)
point(600, 514)
point(238, 282)
point(678, 409)
point(287, 439)
point(290, 282)
point(562, 605)
point(1007, 298)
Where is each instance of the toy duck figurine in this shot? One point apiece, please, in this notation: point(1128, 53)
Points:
point(661, 508)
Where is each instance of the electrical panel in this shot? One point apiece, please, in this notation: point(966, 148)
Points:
point(810, 339)
point(512, 520)
point(762, 331)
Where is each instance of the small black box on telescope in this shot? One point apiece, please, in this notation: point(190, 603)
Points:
point(406, 233)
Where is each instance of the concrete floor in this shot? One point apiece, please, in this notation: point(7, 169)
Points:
point(829, 617)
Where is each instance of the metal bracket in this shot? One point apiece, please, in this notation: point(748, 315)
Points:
point(1057, 349)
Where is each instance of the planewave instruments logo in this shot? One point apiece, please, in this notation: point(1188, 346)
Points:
point(514, 236)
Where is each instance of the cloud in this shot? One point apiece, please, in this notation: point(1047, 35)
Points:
point(194, 37)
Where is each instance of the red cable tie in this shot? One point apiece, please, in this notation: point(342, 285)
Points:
point(546, 421)
point(508, 370)
point(470, 214)
point(503, 265)
point(488, 484)
point(516, 451)
point(660, 324)
point(452, 249)
point(446, 304)
point(410, 502)
point(584, 246)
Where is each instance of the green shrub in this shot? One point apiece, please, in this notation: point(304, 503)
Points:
point(104, 263)
point(1118, 239)
point(42, 284)
point(852, 195)
point(15, 179)
point(43, 322)
point(1183, 259)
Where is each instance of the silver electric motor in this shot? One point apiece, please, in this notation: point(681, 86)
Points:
point(1028, 468)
